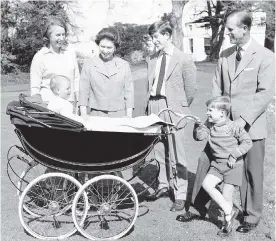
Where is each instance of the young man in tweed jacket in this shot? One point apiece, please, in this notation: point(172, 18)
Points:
point(171, 84)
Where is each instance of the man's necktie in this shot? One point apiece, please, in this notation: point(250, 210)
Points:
point(161, 75)
point(238, 57)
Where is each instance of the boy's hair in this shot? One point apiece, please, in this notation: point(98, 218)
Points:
point(161, 27)
point(55, 82)
point(220, 103)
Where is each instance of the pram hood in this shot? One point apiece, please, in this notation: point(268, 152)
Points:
point(31, 111)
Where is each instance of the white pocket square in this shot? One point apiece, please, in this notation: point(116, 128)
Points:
point(248, 69)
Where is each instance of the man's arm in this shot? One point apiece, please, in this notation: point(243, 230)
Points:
point(216, 84)
point(264, 91)
point(244, 140)
point(189, 77)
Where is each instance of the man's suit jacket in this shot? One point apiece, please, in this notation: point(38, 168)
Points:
point(250, 87)
point(180, 85)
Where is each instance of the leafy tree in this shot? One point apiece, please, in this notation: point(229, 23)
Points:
point(214, 17)
point(269, 9)
point(27, 19)
point(131, 37)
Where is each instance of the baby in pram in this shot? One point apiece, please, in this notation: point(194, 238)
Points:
point(61, 88)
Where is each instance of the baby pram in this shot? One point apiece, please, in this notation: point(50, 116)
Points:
point(63, 198)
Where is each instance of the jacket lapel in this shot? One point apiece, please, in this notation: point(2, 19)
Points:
point(115, 68)
point(101, 68)
point(152, 66)
point(173, 62)
point(231, 64)
point(246, 59)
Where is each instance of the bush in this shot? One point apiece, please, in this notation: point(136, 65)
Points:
point(7, 65)
point(26, 20)
point(136, 57)
point(132, 37)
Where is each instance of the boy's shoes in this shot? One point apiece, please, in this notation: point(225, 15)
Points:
point(178, 205)
point(246, 227)
point(223, 232)
point(227, 228)
point(163, 192)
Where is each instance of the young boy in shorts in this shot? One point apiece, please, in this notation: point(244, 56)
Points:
point(228, 144)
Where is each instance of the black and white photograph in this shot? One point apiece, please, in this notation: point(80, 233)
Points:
point(137, 120)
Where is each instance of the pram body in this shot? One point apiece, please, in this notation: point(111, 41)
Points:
point(64, 145)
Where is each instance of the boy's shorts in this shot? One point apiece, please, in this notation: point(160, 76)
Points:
point(220, 169)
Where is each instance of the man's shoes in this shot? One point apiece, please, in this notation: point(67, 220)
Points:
point(163, 192)
point(178, 205)
point(227, 228)
point(185, 217)
point(246, 227)
point(202, 213)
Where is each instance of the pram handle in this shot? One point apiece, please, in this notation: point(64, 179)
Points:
point(181, 117)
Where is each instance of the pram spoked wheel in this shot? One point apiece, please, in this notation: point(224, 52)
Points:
point(113, 208)
point(32, 171)
point(45, 206)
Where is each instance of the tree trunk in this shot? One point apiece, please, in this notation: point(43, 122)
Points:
point(270, 26)
point(177, 12)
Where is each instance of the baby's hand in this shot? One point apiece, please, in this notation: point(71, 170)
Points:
point(231, 161)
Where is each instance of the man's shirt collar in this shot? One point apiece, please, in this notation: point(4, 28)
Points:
point(169, 51)
point(245, 46)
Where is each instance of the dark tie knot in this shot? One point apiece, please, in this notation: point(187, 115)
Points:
point(238, 55)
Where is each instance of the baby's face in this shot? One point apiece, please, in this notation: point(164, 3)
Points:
point(64, 89)
point(215, 115)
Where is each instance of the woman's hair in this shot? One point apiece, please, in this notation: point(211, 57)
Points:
point(220, 103)
point(109, 33)
point(52, 21)
point(161, 27)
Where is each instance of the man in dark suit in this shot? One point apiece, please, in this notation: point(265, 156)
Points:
point(171, 84)
point(246, 74)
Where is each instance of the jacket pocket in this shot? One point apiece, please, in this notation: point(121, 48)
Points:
point(184, 103)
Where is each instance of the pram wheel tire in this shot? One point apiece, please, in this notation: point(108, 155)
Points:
point(113, 208)
point(30, 173)
point(45, 206)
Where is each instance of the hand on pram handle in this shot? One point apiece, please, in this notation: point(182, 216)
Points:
point(181, 117)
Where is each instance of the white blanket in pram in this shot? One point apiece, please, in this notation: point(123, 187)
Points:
point(142, 124)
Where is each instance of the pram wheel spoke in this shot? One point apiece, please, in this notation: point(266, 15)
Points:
point(30, 173)
point(113, 208)
point(45, 206)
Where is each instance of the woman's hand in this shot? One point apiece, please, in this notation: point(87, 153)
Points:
point(129, 112)
point(83, 110)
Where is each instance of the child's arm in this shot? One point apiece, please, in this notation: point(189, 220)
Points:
point(201, 131)
point(245, 142)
